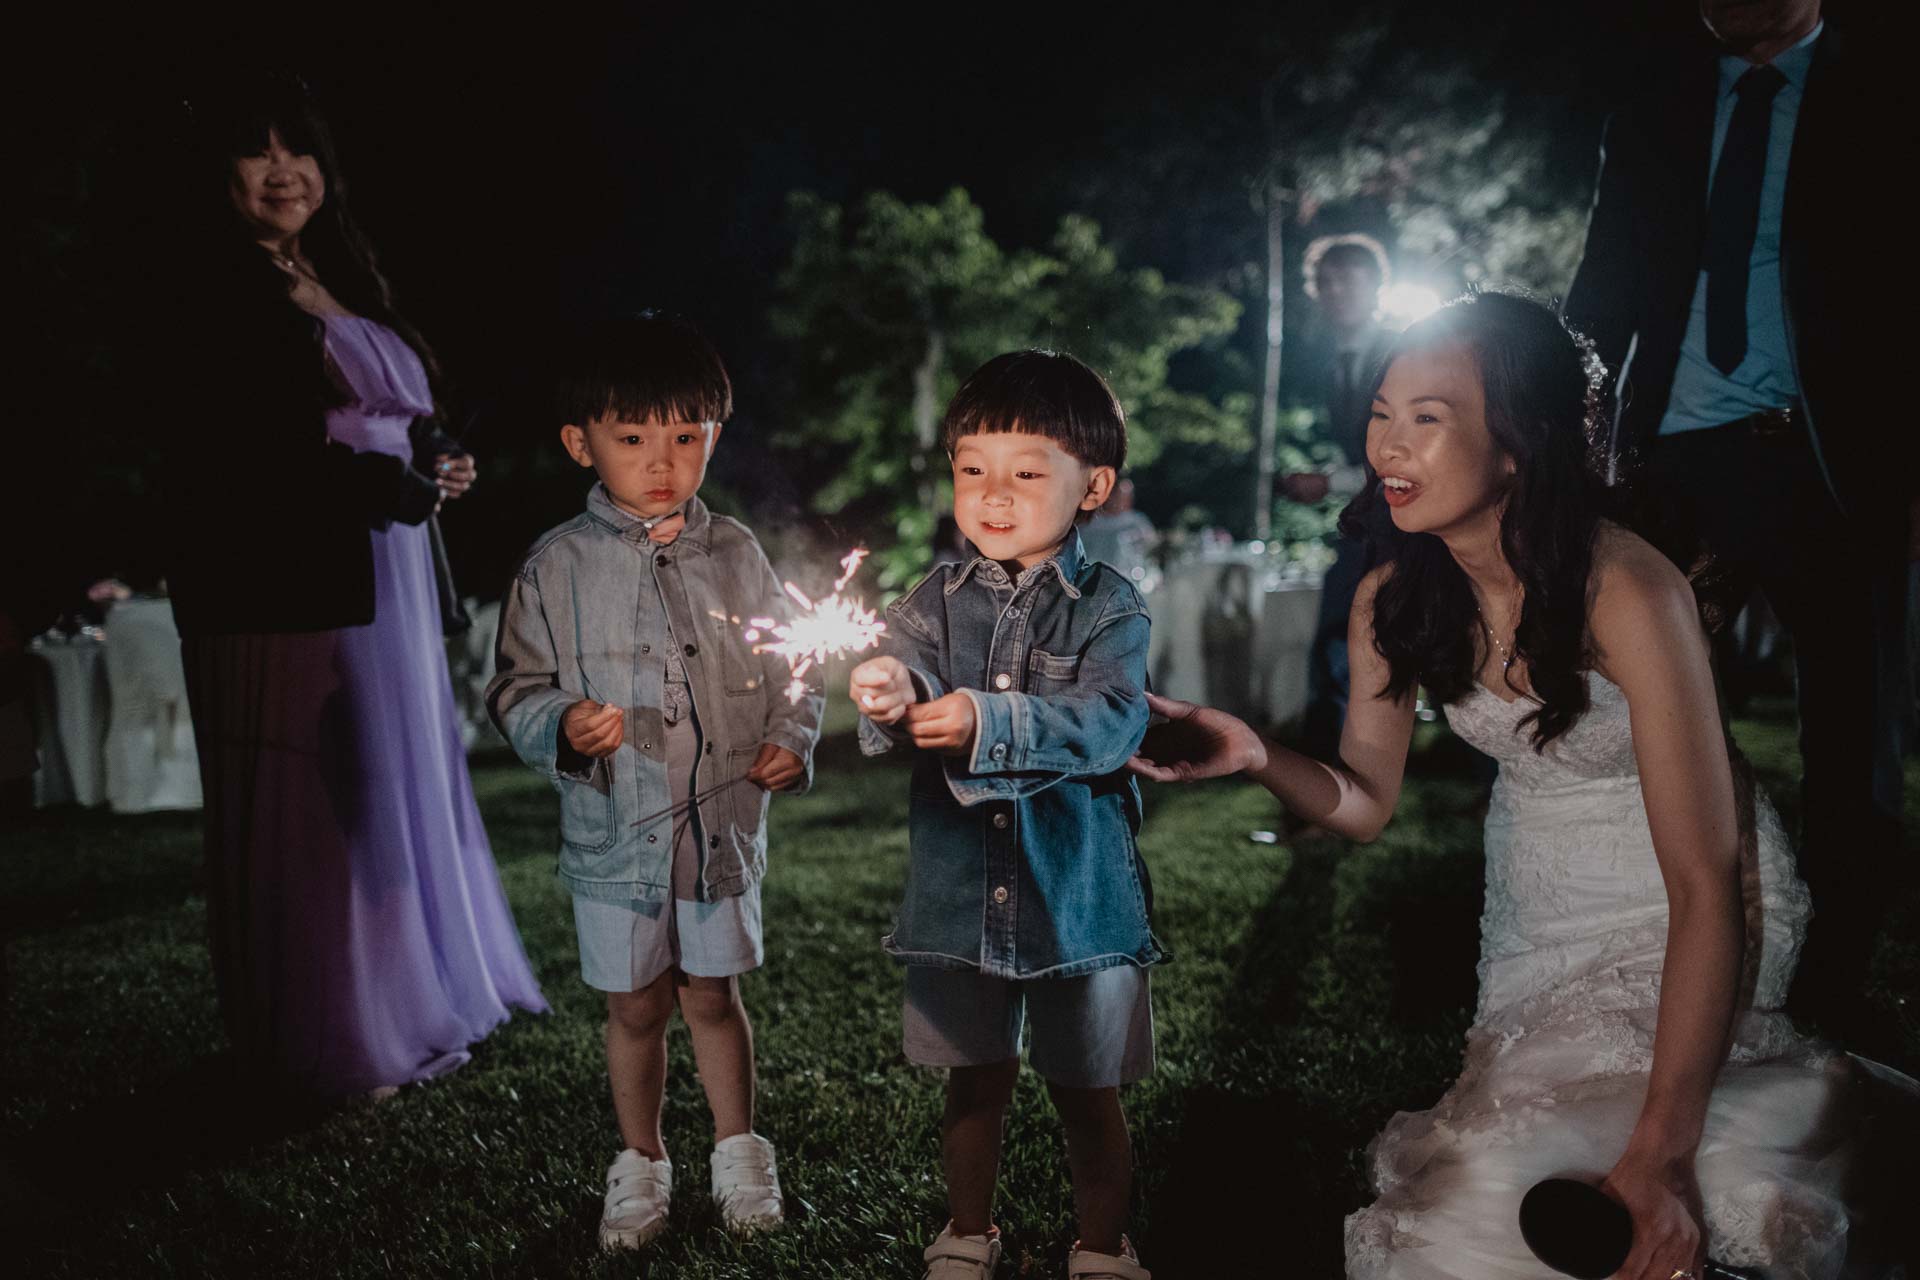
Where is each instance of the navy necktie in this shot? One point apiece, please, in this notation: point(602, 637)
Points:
point(1733, 214)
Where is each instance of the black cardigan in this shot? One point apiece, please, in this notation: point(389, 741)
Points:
point(268, 520)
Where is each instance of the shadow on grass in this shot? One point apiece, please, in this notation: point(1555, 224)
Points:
point(1269, 1139)
point(1233, 1170)
point(62, 1175)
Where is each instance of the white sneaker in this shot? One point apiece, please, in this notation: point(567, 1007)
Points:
point(1085, 1264)
point(952, 1257)
point(745, 1186)
point(638, 1191)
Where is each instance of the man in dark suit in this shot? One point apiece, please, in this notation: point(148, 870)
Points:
point(1737, 218)
point(1336, 371)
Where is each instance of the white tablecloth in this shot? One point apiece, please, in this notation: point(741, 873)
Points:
point(111, 715)
point(150, 761)
point(1231, 629)
point(70, 720)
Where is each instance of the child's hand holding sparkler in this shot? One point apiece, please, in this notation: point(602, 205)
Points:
point(882, 689)
point(776, 769)
point(594, 729)
point(945, 725)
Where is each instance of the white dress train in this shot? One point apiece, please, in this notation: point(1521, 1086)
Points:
point(1571, 946)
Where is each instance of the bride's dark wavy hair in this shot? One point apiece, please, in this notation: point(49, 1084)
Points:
point(1545, 404)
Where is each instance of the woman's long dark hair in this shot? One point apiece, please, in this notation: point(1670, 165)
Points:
point(231, 271)
point(1544, 409)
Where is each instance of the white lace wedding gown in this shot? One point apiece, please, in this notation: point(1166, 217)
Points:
point(1571, 947)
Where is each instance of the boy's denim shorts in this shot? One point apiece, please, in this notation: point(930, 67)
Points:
point(1087, 1032)
point(624, 946)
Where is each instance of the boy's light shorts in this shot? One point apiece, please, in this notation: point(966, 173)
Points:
point(624, 946)
point(1087, 1032)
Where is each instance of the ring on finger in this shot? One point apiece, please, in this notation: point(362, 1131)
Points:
point(1681, 1274)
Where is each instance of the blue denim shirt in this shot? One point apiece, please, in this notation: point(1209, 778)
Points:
point(1023, 862)
point(591, 614)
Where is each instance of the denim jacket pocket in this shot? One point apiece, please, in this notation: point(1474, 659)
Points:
point(1042, 667)
point(748, 803)
point(586, 811)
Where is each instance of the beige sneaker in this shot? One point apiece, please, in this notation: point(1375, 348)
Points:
point(638, 1191)
point(745, 1186)
point(1085, 1264)
point(952, 1257)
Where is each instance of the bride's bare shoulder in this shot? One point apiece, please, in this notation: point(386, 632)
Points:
point(1634, 593)
point(1626, 564)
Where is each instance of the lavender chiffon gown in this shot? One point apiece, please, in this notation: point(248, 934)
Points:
point(360, 934)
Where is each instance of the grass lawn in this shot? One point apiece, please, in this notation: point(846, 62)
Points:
point(1316, 991)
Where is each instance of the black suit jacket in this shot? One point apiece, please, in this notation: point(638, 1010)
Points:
point(1844, 263)
point(1311, 380)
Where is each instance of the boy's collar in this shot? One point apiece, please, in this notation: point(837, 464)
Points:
point(697, 533)
point(1066, 563)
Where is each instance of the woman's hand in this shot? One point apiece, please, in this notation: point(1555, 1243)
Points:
point(1194, 743)
point(776, 769)
point(1669, 1232)
point(594, 729)
point(882, 689)
point(454, 473)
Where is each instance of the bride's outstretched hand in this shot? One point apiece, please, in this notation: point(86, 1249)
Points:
point(1669, 1238)
point(1195, 742)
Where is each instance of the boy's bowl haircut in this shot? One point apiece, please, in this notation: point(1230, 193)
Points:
point(650, 367)
point(1042, 393)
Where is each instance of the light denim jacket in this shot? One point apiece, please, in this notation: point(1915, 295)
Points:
point(590, 615)
point(1022, 861)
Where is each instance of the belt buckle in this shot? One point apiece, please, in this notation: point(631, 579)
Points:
point(1771, 424)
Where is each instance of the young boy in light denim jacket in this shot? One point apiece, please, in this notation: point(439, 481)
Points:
point(624, 677)
point(1019, 674)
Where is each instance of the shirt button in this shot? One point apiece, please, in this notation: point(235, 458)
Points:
point(646, 746)
point(646, 648)
point(1000, 894)
point(999, 751)
point(661, 561)
point(653, 839)
point(1002, 681)
point(709, 748)
point(1000, 821)
point(692, 649)
point(713, 842)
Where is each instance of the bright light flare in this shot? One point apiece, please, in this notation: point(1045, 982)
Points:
point(822, 629)
point(1404, 303)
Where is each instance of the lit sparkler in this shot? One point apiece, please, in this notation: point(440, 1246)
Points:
point(823, 629)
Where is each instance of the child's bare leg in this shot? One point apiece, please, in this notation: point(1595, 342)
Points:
point(1101, 1159)
point(637, 1061)
point(976, 1111)
point(722, 1049)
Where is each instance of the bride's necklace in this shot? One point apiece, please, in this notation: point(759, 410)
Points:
point(1506, 654)
point(291, 265)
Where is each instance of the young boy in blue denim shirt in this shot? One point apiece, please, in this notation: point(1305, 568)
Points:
point(1019, 674)
point(623, 676)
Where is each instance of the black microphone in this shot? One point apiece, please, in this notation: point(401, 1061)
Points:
point(1578, 1230)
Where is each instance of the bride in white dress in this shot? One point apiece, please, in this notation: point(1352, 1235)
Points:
point(1642, 912)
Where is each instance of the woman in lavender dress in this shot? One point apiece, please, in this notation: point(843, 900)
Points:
point(360, 936)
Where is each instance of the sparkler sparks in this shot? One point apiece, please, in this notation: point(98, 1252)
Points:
point(822, 629)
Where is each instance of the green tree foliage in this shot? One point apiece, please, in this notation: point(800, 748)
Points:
point(885, 309)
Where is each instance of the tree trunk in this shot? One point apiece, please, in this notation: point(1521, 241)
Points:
point(1270, 386)
point(926, 410)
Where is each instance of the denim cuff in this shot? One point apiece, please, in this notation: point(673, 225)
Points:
point(877, 739)
point(994, 747)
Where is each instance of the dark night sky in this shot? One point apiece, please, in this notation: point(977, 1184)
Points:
point(513, 171)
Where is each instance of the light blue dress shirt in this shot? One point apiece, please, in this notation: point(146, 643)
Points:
point(1703, 396)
